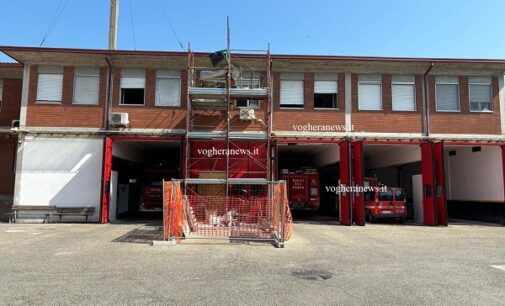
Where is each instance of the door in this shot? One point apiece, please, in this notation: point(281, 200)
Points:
point(345, 211)
point(440, 199)
point(107, 169)
point(357, 166)
point(427, 167)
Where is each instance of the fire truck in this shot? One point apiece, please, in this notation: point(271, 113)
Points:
point(151, 191)
point(303, 188)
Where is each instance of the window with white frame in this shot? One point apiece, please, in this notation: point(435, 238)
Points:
point(168, 88)
point(480, 94)
point(326, 90)
point(133, 83)
point(243, 103)
point(403, 92)
point(370, 92)
point(248, 79)
point(292, 90)
point(1, 93)
point(86, 85)
point(447, 93)
point(49, 84)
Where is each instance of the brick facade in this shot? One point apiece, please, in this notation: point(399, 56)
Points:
point(65, 114)
point(11, 101)
point(464, 122)
point(150, 116)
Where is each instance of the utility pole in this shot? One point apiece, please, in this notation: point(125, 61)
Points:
point(114, 12)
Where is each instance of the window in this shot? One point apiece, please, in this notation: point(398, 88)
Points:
point(292, 90)
point(403, 91)
point(370, 92)
point(399, 195)
point(168, 88)
point(49, 84)
point(480, 94)
point(386, 195)
point(247, 103)
point(248, 79)
point(325, 91)
point(133, 82)
point(86, 85)
point(447, 93)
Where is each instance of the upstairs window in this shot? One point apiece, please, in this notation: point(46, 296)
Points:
point(242, 103)
point(447, 93)
point(49, 84)
point(403, 91)
point(133, 82)
point(248, 79)
point(370, 92)
point(86, 85)
point(168, 88)
point(326, 91)
point(292, 90)
point(480, 94)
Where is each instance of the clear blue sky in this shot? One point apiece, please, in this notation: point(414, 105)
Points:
point(428, 28)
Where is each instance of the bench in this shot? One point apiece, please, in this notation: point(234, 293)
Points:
point(71, 211)
point(37, 210)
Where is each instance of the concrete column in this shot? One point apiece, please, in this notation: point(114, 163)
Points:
point(348, 103)
point(501, 94)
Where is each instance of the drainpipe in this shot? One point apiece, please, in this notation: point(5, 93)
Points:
point(109, 94)
point(426, 106)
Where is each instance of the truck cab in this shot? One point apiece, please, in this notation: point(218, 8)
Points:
point(386, 203)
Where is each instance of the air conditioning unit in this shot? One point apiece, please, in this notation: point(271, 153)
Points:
point(247, 114)
point(119, 120)
point(15, 124)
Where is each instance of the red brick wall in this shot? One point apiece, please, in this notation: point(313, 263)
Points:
point(148, 115)
point(387, 120)
point(11, 101)
point(65, 114)
point(464, 122)
point(284, 119)
point(7, 151)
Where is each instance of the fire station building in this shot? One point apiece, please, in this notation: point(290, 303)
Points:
point(97, 128)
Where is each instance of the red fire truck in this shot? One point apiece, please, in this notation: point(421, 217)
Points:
point(303, 188)
point(151, 191)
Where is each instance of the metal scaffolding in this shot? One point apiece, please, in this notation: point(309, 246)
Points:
point(214, 116)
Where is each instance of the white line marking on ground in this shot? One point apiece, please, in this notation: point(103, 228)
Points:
point(62, 253)
point(499, 267)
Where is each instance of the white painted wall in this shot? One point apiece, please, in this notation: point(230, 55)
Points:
point(474, 176)
point(61, 171)
point(393, 156)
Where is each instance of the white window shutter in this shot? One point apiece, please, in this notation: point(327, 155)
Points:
point(291, 92)
point(86, 90)
point(168, 92)
point(49, 87)
point(133, 78)
point(325, 87)
point(369, 97)
point(403, 97)
point(447, 98)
